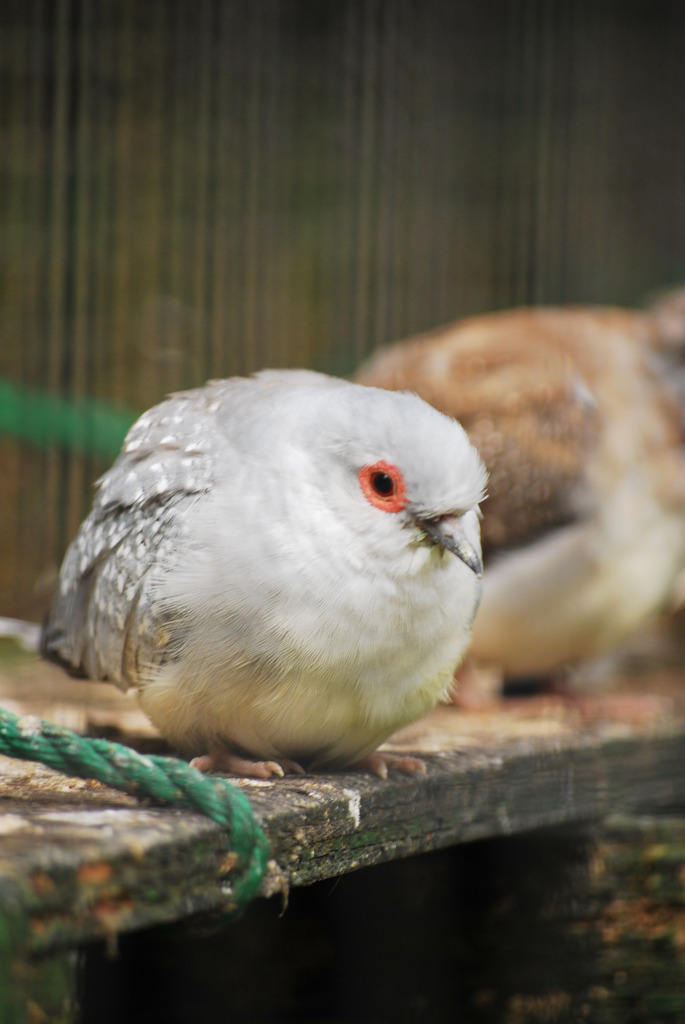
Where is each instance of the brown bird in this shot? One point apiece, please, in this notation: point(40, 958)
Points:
point(576, 414)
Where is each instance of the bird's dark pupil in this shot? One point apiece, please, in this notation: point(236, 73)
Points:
point(383, 484)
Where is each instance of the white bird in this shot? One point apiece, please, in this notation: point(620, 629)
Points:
point(270, 562)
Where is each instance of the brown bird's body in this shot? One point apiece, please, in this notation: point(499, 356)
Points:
point(577, 419)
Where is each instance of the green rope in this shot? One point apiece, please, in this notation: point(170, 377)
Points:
point(163, 779)
point(44, 419)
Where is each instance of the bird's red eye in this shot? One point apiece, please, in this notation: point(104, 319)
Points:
point(383, 486)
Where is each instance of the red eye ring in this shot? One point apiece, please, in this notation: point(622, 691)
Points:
point(383, 485)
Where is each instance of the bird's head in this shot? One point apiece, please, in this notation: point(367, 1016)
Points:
point(395, 468)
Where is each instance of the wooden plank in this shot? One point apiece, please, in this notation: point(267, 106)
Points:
point(584, 925)
point(575, 923)
point(38, 990)
point(329, 827)
point(637, 876)
point(79, 861)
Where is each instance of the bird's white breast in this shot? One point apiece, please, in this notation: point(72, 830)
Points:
point(306, 636)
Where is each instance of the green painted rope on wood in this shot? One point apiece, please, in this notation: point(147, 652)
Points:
point(163, 779)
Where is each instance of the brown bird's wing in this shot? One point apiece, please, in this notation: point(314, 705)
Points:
point(526, 405)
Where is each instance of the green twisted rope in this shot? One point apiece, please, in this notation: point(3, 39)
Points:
point(163, 779)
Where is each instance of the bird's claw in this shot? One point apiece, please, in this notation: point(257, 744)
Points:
point(224, 761)
point(379, 763)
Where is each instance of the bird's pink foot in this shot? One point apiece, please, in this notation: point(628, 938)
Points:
point(225, 761)
point(379, 763)
point(476, 687)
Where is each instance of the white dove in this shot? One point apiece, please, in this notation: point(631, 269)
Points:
point(270, 562)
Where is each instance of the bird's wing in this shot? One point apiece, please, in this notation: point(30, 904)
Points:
point(526, 404)
point(103, 622)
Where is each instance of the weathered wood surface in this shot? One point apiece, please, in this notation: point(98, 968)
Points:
point(78, 860)
point(553, 926)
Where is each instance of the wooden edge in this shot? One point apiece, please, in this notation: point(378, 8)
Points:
point(79, 861)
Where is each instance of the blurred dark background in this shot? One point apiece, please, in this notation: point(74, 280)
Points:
point(197, 189)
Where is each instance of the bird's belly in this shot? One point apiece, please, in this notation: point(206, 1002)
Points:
point(317, 721)
point(328, 706)
point(321, 686)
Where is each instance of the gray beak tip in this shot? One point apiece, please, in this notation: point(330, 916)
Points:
point(447, 533)
point(470, 557)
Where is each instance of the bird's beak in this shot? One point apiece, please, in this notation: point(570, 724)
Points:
point(447, 532)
